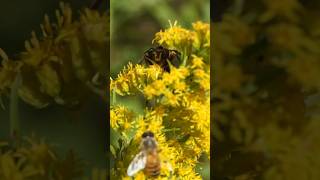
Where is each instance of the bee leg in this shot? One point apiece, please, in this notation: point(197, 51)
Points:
point(149, 60)
point(150, 103)
point(167, 65)
point(177, 52)
point(175, 60)
point(141, 61)
point(166, 68)
point(149, 50)
point(159, 58)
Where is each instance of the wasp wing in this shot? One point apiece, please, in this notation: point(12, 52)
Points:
point(138, 163)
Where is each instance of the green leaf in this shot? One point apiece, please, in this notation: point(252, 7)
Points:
point(114, 137)
point(113, 151)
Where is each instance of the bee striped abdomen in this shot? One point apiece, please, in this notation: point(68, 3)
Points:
point(153, 165)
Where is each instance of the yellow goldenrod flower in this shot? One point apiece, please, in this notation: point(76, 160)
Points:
point(179, 86)
point(202, 34)
point(180, 117)
point(171, 99)
point(120, 118)
point(176, 37)
point(197, 62)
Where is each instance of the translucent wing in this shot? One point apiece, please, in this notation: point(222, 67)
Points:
point(168, 166)
point(138, 163)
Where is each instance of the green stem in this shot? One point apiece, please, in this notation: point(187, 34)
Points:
point(14, 107)
point(238, 7)
point(184, 62)
point(171, 129)
point(184, 56)
point(114, 98)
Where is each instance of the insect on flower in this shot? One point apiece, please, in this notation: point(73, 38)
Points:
point(148, 158)
point(162, 56)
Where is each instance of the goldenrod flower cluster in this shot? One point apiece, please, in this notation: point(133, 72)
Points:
point(266, 91)
point(180, 116)
point(61, 64)
point(32, 158)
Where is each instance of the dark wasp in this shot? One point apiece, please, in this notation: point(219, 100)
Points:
point(162, 56)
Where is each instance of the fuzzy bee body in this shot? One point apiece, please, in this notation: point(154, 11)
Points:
point(147, 159)
point(153, 164)
point(161, 56)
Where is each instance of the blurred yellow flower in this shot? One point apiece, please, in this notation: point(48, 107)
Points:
point(285, 8)
point(202, 34)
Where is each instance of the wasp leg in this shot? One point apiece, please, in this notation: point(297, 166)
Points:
point(150, 103)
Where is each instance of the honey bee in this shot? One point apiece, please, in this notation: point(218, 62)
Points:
point(148, 158)
point(162, 56)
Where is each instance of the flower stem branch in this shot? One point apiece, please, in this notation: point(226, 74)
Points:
point(14, 107)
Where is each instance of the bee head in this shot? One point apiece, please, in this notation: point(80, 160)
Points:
point(147, 134)
point(148, 141)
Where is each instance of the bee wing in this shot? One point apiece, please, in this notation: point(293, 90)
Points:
point(168, 165)
point(138, 163)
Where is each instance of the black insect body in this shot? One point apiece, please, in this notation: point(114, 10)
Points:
point(162, 56)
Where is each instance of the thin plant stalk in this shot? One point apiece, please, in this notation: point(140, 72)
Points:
point(14, 107)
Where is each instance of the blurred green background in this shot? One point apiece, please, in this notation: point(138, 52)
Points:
point(133, 26)
point(82, 129)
